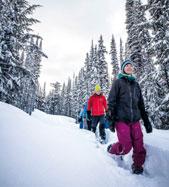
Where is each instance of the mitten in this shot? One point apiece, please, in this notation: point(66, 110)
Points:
point(110, 118)
point(147, 123)
point(112, 126)
point(109, 115)
point(148, 127)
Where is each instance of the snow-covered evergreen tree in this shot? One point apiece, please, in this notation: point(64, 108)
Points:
point(49, 102)
point(14, 28)
point(18, 81)
point(95, 76)
point(92, 69)
point(121, 52)
point(63, 99)
point(29, 83)
point(54, 100)
point(147, 76)
point(68, 98)
point(129, 25)
point(114, 60)
point(159, 16)
point(103, 67)
point(75, 104)
point(82, 92)
point(133, 20)
point(87, 68)
point(126, 53)
point(41, 98)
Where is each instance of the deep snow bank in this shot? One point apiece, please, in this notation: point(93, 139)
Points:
point(46, 150)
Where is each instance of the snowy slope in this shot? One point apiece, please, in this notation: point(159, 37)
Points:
point(51, 151)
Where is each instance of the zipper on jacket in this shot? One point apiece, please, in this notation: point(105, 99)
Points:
point(131, 101)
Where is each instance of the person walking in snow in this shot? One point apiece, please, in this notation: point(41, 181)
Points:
point(86, 118)
point(83, 118)
point(125, 109)
point(80, 118)
point(96, 109)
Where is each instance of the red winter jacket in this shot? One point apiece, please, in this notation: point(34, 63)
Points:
point(97, 104)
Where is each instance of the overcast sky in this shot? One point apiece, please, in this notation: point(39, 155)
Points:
point(67, 28)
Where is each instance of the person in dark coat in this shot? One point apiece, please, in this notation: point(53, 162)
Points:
point(125, 109)
point(96, 109)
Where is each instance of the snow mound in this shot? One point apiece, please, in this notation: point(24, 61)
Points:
point(45, 150)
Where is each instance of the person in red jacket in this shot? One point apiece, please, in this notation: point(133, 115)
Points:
point(97, 107)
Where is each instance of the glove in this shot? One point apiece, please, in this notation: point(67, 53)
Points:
point(110, 118)
point(147, 123)
point(89, 115)
point(148, 127)
point(109, 115)
point(112, 126)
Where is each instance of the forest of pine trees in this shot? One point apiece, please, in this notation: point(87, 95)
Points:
point(76, 91)
point(20, 54)
point(147, 45)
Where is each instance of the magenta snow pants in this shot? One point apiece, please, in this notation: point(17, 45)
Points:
point(130, 136)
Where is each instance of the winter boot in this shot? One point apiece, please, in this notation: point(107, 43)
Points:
point(102, 141)
point(137, 170)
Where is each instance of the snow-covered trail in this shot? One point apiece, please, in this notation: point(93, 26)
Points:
point(51, 151)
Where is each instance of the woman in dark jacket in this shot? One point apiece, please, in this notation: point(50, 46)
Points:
point(125, 109)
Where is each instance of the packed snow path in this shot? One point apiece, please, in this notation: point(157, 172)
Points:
point(51, 151)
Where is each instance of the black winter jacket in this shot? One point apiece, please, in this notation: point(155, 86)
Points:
point(126, 101)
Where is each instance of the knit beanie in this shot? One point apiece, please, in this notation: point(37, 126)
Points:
point(97, 88)
point(124, 64)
